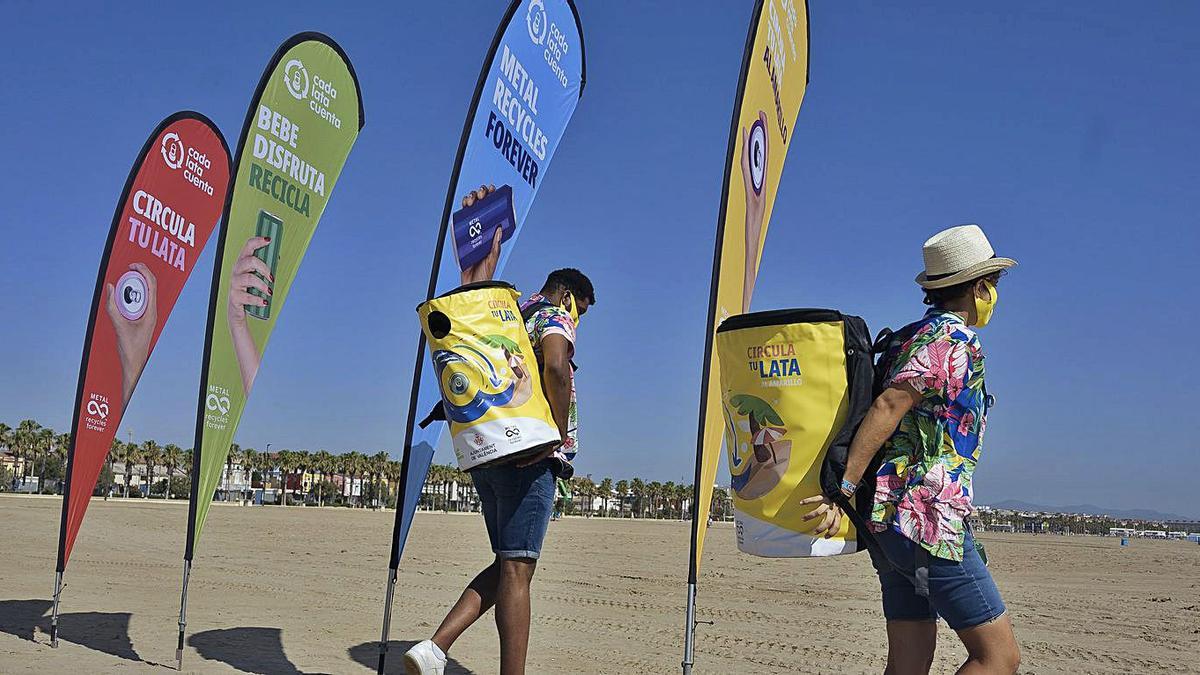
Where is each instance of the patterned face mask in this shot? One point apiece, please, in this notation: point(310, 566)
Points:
point(984, 308)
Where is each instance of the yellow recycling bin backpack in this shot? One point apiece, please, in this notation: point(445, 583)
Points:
point(795, 385)
point(487, 373)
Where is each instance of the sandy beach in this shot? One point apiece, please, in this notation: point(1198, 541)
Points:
point(299, 590)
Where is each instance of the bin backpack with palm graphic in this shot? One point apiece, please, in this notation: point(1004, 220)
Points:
point(488, 375)
point(795, 384)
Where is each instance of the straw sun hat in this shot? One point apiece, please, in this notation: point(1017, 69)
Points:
point(959, 254)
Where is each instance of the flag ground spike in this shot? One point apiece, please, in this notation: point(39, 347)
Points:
point(187, 572)
point(54, 613)
point(387, 618)
point(689, 636)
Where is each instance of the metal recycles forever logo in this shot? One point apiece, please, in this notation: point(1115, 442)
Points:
point(217, 403)
point(97, 408)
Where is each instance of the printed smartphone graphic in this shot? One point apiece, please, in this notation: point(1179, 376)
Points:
point(475, 225)
point(269, 225)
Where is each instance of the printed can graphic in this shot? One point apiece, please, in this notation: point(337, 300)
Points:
point(132, 295)
point(784, 398)
point(487, 373)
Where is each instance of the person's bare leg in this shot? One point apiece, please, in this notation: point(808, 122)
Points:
point(474, 602)
point(910, 647)
point(512, 613)
point(991, 648)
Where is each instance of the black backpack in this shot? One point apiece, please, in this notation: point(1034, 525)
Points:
point(875, 362)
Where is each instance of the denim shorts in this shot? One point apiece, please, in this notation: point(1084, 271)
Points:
point(962, 593)
point(517, 502)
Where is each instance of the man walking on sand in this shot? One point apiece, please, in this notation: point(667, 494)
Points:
point(518, 498)
point(927, 428)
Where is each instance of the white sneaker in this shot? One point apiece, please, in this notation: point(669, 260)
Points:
point(423, 659)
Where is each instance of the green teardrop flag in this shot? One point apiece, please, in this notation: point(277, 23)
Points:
point(302, 122)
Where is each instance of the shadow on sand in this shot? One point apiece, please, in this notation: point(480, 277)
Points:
point(252, 649)
point(367, 654)
point(106, 632)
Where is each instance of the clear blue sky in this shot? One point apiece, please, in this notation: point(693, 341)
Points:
point(1068, 130)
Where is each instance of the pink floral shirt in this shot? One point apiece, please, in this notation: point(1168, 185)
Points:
point(923, 487)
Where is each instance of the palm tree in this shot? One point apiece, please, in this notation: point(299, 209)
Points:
point(119, 452)
point(586, 489)
point(45, 446)
point(303, 464)
point(604, 491)
point(638, 489)
point(150, 455)
point(378, 465)
point(233, 456)
point(172, 456)
point(25, 444)
point(286, 461)
point(249, 461)
point(355, 463)
point(393, 476)
point(622, 492)
point(322, 463)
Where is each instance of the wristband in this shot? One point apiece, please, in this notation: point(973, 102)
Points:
point(849, 488)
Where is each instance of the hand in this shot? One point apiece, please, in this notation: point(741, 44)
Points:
point(756, 205)
point(485, 269)
point(243, 278)
point(832, 520)
point(133, 337)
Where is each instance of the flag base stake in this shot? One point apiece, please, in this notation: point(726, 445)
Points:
point(54, 614)
point(387, 620)
point(689, 635)
point(187, 573)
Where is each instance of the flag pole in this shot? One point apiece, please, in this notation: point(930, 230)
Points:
point(439, 246)
point(689, 637)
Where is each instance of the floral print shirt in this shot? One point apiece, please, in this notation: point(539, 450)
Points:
point(554, 320)
point(923, 487)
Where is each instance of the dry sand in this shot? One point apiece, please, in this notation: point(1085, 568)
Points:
point(299, 590)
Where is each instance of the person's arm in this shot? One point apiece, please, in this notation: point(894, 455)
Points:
point(556, 383)
point(876, 428)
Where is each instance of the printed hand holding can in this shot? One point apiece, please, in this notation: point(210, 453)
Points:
point(249, 273)
point(754, 172)
point(133, 310)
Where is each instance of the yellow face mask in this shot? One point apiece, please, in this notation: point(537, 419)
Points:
point(573, 310)
point(984, 308)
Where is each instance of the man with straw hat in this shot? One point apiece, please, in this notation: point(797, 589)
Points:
point(925, 433)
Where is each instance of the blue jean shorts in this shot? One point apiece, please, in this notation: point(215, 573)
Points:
point(517, 502)
point(963, 593)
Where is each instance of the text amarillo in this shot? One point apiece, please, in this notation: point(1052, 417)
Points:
point(295, 178)
point(161, 242)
